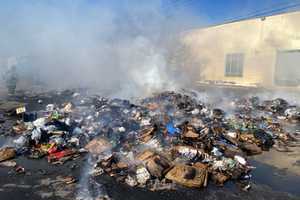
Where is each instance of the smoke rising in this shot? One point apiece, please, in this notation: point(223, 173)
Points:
point(120, 46)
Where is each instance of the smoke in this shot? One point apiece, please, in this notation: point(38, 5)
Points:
point(119, 46)
point(89, 188)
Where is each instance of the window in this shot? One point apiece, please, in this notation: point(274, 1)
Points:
point(287, 71)
point(234, 64)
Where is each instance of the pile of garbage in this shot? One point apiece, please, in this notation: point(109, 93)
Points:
point(160, 142)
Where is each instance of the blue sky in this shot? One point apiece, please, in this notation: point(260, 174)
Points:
point(210, 11)
point(218, 11)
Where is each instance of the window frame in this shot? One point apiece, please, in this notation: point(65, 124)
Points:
point(234, 65)
point(277, 79)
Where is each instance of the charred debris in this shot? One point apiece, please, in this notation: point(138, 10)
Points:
point(159, 142)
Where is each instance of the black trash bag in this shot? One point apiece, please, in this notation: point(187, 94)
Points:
point(29, 116)
point(265, 140)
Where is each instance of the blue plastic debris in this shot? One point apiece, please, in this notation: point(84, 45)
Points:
point(172, 130)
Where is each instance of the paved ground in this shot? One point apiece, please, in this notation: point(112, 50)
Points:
point(44, 181)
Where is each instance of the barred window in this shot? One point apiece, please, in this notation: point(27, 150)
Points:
point(234, 64)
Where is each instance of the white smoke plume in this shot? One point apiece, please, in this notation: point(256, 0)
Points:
point(120, 46)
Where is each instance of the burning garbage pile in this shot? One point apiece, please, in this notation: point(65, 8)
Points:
point(160, 142)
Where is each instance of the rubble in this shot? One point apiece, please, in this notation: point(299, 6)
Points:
point(187, 152)
point(7, 153)
point(9, 163)
point(188, 176)
point(10, 107)
point(147, 134)
point(219, 178)
point(142, 175)
point(131, 181)
point(98, 146)
point(20, 170)
point(156, 142)
point(189, 133)
point(61, 156)
point(157, 166)
point(69, 180)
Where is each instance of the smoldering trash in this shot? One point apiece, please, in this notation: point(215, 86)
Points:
point(161, 142)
